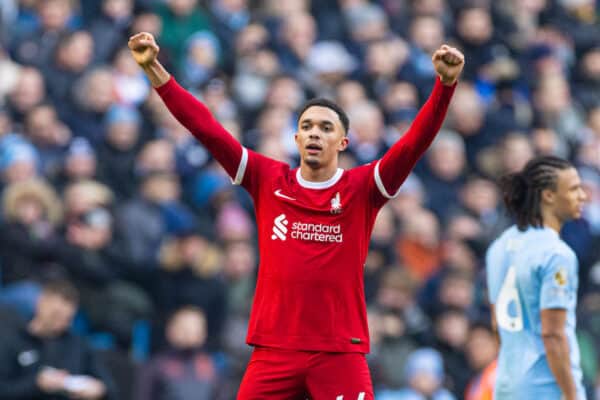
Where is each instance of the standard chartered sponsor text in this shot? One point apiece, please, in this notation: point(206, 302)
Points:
point(317, 232)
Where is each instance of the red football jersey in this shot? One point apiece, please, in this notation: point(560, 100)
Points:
point(313, 237)
point(313, 240)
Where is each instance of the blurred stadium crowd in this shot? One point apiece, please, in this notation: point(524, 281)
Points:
point(101, 187)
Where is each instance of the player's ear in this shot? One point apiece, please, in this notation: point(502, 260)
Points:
point(548, 196)
point(343, 143)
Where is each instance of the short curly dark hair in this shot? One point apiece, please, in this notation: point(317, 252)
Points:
point(322, 102)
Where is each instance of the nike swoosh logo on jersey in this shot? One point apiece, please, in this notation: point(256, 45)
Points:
point(283, 196)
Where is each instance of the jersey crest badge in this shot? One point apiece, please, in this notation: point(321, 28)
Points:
point(336, 204)
point(560, 277)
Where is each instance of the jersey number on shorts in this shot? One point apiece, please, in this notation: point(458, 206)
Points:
point(509, 314)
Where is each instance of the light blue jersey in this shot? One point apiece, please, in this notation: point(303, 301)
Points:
point(527, 272)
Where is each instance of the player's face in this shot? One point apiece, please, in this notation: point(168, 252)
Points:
point(569, 195)
point(320, 137)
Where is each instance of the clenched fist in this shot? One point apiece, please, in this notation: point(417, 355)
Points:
point(448, 63)
point(143, 48)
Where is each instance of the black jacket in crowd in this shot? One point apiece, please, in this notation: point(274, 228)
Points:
point(23, 355)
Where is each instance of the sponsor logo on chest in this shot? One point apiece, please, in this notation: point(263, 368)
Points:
point(312, 232)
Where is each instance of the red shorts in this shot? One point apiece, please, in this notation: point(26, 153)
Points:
point(288, 374)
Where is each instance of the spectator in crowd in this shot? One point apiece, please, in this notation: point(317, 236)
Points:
point(424, 374)
point(184, 370)
point(43, 360)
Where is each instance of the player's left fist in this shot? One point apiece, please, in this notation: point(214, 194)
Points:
point(448, 63)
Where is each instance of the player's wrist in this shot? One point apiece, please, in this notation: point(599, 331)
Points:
point(448, 81)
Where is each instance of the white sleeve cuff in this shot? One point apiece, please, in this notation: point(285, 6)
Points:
point(239, 176)
point(379, 184)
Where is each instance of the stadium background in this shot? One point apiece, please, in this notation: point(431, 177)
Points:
point(135, 213)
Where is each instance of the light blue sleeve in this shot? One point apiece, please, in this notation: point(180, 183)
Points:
point(558, 281)
point(493, 268)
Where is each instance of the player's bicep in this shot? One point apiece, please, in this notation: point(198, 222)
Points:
point(558, 282)
point(553, 322)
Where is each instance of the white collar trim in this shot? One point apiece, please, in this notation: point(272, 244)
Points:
point(319, 185)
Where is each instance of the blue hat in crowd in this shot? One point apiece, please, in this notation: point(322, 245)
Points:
point(122, 114)
point(14, 148)
point(424, 361)
point(80, 147)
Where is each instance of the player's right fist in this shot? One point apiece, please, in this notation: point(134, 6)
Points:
point(143, 48)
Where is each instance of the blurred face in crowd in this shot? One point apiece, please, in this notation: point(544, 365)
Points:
point(447, 158)
point(192, 248)
point(161, 188)
point(286, 92)
point(481, 348)
point(80, 166)
point(466, 110)
point(367, 122)
point(252, 38)
point(123, 135)
point(97, 91)
point(457, 291)
point(157, 156)
point(187, 330)
point(299, 33)
point(591, 65)
point(117, 9)
point(516, 151)
point(29, 210)
point(320, 137)
point(350, 93)
point(147, 22)
point(273, 147)
point(282, 8)
point(54, 14)
point(5, 123)
point(29, 91)
point(427, 33)
point(422, 226)
point(401, 95)
point(20, 170)
point(429, 7)
point(274, 120)
point(546, 141)
point(425, 383)
point(396, 291)
point(182, 7)
point(475, 26)
point(381, 60)
point(44, 128)
point(240, 260)
point(452, 328)
point(54, 314)
point(75, 54)
point(553, 95)
point(480, 196)
point(593, 121)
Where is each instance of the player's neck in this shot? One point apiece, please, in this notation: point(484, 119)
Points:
point(317, 174)
point(551, 221)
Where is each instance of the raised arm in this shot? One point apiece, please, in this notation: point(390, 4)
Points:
point(396, 164)
point(188, 110)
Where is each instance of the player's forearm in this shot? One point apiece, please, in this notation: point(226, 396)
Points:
point(400, 159)
point(156, 73)
point(198, 119)
point(557, 354)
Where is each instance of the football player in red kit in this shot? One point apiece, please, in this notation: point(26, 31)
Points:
point(308, 323)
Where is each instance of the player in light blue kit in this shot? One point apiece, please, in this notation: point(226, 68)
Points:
point(532, 281)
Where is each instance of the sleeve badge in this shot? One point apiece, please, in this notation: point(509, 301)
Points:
point(560, 277)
